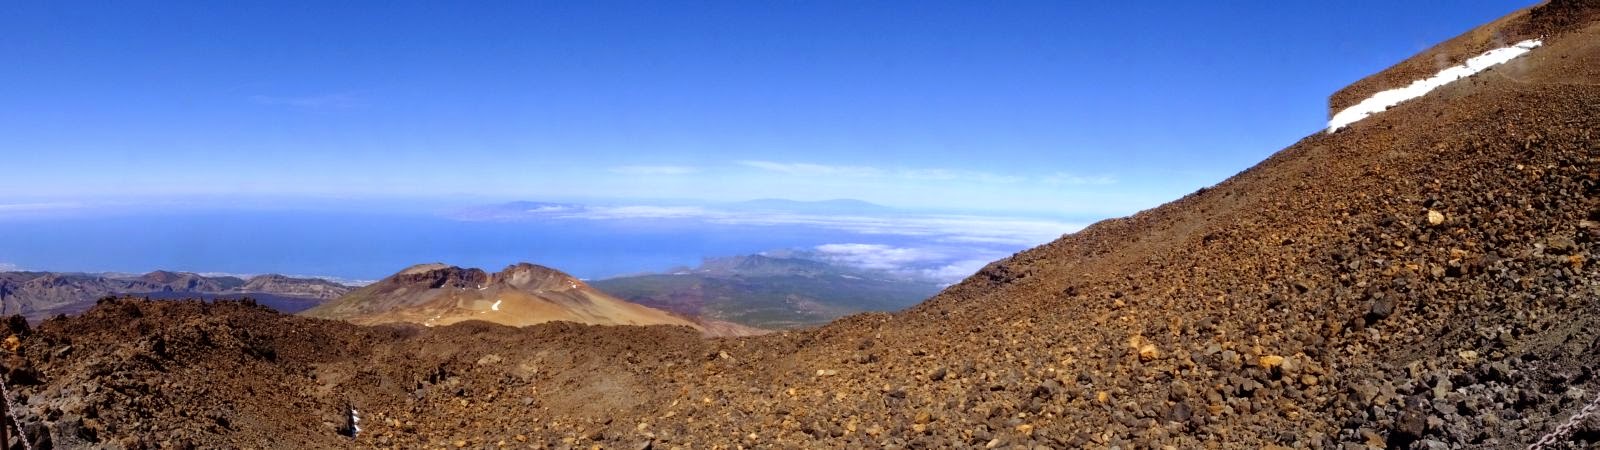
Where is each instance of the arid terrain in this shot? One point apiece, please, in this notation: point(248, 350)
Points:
point(39, 295)
point(1424, 278)
point(770, 292)
point(522, 294)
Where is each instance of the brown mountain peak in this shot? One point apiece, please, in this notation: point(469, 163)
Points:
point(527, 276)
point(435, 276)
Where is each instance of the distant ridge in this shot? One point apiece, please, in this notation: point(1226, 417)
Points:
point(1423, 279)
point(772, 292)
point(37, 295)
point(521, 294)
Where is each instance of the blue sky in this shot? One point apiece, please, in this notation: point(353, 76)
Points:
point(1061, 108)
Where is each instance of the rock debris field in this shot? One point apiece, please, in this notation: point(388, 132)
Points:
point(1423, 278)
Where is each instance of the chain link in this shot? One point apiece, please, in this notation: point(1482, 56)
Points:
point(5, 391)
point(1566, 428)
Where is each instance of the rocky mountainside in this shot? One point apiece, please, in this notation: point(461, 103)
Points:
point(1424, 278)
point(1551, 18)
point(770, 292)
point(522, 294)
point(298, 287)
point(37, 295)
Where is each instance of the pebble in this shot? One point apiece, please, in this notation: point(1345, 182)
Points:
point(1270, 361)
point(1435, 218)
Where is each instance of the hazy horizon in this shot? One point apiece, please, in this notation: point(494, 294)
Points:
point(587, 240)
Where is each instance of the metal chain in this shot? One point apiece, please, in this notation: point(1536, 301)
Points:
point(1566, 428)
point(5, 391)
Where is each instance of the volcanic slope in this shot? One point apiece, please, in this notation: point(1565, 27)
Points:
point(37, 295)
point(1423, 278)
point(522, 294)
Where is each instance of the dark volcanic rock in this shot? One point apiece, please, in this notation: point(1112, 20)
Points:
point(1225, 302)
point(38, 295)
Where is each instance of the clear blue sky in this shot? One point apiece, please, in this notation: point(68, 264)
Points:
point(1057, 107)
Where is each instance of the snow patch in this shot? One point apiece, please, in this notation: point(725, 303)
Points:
point(1384, 100)
point(355, 422)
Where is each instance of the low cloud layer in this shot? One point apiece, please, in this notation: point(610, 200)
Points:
point(942, 248)
point(878, 256)
point(942, 264)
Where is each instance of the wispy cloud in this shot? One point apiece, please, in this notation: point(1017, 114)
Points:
point(1060, 178)
point(26, 211)
point(923, 174)
point(938, 247)
point(38, 207)
point(311, 102)
point(654, 170)
point(949, 228)
point(958, 175)
point(9, 267)
point(809, 169)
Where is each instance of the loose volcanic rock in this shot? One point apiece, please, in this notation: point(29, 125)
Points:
point(1303, 303)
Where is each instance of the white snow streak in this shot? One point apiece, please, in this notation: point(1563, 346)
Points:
point(355, 422)
point(1384, 100)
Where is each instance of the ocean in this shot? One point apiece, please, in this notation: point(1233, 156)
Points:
point(368, 246)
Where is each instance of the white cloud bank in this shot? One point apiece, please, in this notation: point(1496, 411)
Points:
point(1382, 101)
point(942, 264)
point(878, 256)
point(939, 247)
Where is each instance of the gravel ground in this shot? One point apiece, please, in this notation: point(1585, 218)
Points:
point(1422, 279)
